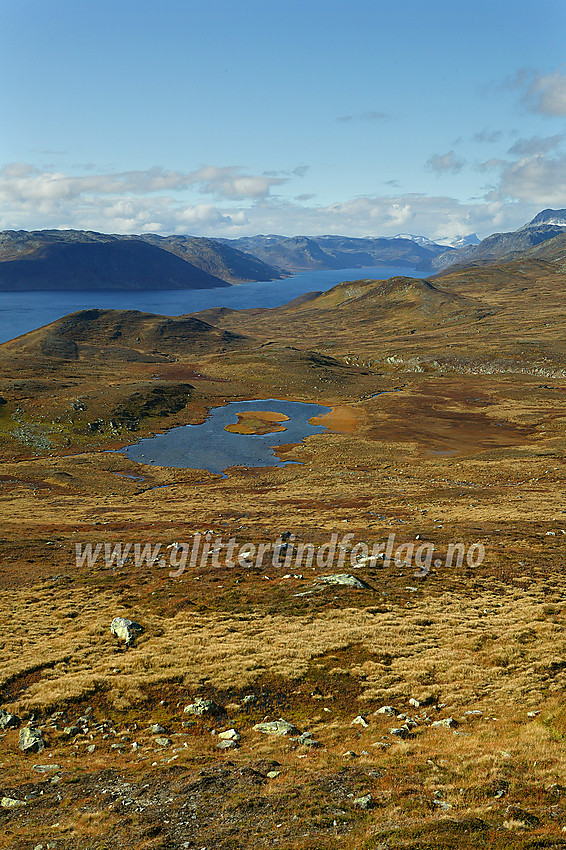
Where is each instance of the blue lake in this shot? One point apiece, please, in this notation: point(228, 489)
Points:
point(21, 312)
point(210, 446)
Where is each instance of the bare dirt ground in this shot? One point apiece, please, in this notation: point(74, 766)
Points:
point(447, 426)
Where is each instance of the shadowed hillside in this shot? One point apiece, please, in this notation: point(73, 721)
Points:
point(75, 260)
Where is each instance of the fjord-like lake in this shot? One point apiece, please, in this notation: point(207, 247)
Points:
point(210, 446)
point(21, 312)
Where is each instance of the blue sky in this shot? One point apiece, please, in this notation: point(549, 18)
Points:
point(235, 117)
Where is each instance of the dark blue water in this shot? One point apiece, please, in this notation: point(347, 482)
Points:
point(21, 312)
point(209, 446)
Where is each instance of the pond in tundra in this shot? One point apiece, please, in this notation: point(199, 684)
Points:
point(242, 433)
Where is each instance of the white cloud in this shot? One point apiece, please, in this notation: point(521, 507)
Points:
point(536, 145)
point(22, 181)
point(547, 93)
point(537, 179)
point(445, 163)
point(241, 204)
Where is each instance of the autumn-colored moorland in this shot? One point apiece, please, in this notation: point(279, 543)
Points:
point(447, 420)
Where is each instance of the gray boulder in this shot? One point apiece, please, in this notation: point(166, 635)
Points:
point(227, 745)
point(202, 707)
point(345, 579)
point(365, 802)
point(229, 735)
point(446, 723)
point(276, 727)
point(31, 740)
point(400, 732)
point(8, 721)
point(125, 630)
point(386, 709)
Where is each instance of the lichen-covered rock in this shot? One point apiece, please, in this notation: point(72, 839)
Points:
point(446, 723)
point(229, 735)
point(8, 721)
point(365, 802)
point(202, 707)
point(276, 727)
point(125, 630)
point(11, 803)
point(344, 578)
point(386, 709)
point(31, 740)
point(227, 745)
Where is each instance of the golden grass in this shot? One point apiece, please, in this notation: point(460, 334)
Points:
point(505, 648)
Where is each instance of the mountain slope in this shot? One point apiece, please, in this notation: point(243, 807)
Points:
point(548, 216)
point(216, 258)
point(501, 246)
point(75, 259)
point(307, 253)
point(49, 260)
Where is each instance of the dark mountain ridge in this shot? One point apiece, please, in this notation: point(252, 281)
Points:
point(75, 259)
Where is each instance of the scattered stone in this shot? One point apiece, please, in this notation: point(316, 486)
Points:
point(276, 727)
point(307, 740)
point(533, 713)
point(475, 713)
point(400, 731)
point(8, 721)
point(46, 768)
point(163, 742)
point(386, 709)
point(229, 735)
point(442, 804)
point(249, 698)
point(11, 803)
point(157, 729)
point(227, 745)
point(136, 746)
point(365, 802)
point(346, 579)
point(414, 702)
point(360, 721)
point(71, 731)
point(349, 754)
point(446, 723)
point(273, 774)
point(125, 630)
point(91, 748)
point(31, 740)
point(201, 707)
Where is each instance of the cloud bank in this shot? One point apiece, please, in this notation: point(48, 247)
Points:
point(228, 201)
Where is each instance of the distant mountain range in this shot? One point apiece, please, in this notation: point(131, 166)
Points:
point(456, 242)
point(310, 253)
point(506, 246)
point(77, 259)
point(82, 260)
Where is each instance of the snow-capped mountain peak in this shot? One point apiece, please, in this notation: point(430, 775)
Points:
point(548, 217)
point(420, 240)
